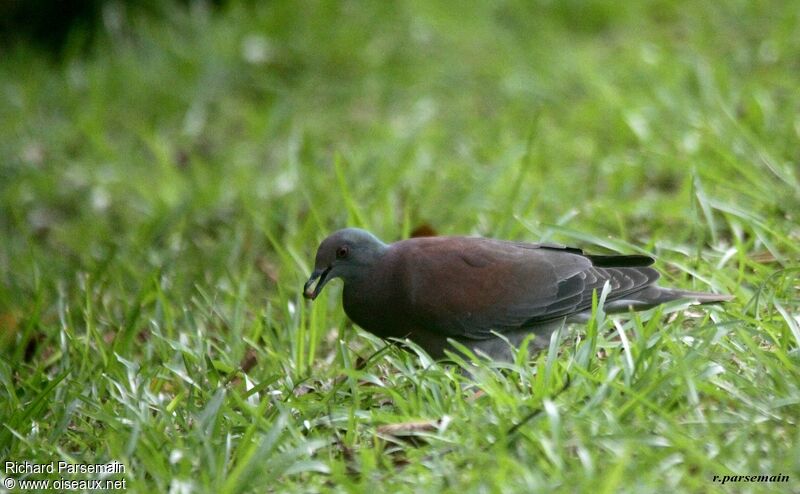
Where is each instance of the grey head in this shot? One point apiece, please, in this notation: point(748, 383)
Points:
point(347, 254)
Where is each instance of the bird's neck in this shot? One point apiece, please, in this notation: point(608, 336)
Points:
point(371, 256)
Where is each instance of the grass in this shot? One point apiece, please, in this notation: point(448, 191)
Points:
point(162, 196)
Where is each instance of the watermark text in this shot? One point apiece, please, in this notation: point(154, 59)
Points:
point(725, 479)
point(21, 475)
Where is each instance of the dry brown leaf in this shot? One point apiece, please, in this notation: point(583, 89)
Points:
point(423, 230)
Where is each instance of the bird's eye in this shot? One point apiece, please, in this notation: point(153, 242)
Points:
point(342, 252)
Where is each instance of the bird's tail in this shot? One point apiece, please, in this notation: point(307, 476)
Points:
point(699, 297)
point(656, 295)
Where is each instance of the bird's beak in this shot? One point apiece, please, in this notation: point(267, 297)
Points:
point(322, 275)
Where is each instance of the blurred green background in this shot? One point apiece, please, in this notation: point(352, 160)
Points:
point(200, 123)
point(169, 168)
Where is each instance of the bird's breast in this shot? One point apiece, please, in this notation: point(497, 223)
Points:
point(377, 308)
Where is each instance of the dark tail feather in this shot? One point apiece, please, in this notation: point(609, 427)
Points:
point(656, 295)
point(700, 297)
point(620, 261)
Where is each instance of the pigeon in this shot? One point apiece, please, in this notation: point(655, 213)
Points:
point(488, 295)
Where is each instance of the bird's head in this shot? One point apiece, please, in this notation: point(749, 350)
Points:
point(343, 254)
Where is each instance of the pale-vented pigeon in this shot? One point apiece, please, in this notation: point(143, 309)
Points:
point(470, 289)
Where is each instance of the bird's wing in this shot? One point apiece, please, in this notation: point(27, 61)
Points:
point(469, 287)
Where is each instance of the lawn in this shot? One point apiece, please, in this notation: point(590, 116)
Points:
point(163, 192)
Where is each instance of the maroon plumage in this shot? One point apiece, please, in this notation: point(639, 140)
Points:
point(469, 288)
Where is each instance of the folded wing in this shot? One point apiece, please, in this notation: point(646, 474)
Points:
point(469, 287)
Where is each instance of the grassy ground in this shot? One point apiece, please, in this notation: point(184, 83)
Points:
point(161, 199)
